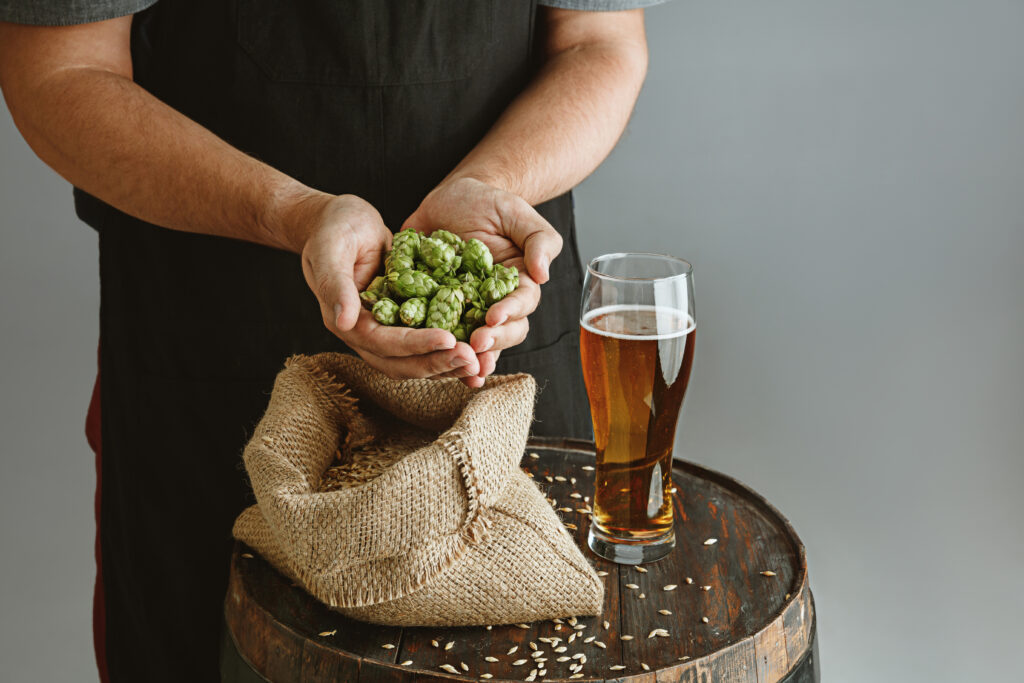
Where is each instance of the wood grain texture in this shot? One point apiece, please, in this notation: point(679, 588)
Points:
point(771, 653)
point(754, 633)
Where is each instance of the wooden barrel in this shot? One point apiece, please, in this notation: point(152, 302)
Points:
point(741, 609)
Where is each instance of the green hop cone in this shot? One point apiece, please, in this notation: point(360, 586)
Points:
point(374, 291)
point(407, 243)
point(450, 281)
point(462, 332)
point(437, 254)
point(471, 290)
point(493, 290)
point(368, 298)
point(441, 274)
point(385, 311)
point(396, 262)
point(411, 283)
point(449, 238)
point(413, 312)
point(474, 317)
point(467, 277)
point(476, 258)
point(507, 275)
point(445, 309)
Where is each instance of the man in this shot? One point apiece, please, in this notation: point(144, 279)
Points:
point(210, 143)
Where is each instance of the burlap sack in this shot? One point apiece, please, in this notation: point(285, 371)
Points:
point(429, 520)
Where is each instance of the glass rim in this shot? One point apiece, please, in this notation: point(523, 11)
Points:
point(687, 272)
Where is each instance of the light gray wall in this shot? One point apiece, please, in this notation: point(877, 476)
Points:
point(848, 180)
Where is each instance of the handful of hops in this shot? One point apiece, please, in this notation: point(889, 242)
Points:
point(438, 281)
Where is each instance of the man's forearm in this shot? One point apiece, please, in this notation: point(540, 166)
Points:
point(572, 114)
point(108, 136)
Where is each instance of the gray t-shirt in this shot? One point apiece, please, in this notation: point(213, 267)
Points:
point(69, 12)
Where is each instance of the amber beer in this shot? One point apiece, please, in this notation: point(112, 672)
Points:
point(636, 364)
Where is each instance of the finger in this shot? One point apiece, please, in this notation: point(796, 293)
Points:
point(487, 338)
point(488, 363)
point(473, 382)
point(519, 304)
point(427, 365)
point(331, 280)
point(539, 241)
point(395, 341)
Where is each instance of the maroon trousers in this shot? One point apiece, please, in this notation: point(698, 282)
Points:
point(93, 433)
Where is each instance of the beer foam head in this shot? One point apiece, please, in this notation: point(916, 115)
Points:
point(638, 322)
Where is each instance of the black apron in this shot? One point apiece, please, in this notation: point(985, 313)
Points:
point(376, 98)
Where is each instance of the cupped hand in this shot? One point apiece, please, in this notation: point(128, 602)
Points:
point(341, 255)
point(516, 235)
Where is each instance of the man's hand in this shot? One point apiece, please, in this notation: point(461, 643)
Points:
point(342, 253)
point(516, 235)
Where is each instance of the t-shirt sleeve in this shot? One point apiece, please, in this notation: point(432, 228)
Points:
point(600, 5)
point(68, 12)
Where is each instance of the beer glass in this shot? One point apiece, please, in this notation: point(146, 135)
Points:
point(636, 344)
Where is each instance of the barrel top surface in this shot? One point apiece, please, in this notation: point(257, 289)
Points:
point(724, 617)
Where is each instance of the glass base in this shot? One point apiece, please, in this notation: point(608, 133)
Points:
point(623, 551)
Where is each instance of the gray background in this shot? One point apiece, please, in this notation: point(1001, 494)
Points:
point(848, 180)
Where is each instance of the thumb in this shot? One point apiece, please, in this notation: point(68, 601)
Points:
point(332, 282)
point(539, 241)
point(416, 221)
point(347, 305)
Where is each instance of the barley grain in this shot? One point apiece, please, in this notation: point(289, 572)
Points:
point(768, 573)
point(711, 541)
point(670, 587)
point(324, 634)
point(665, 612)
point(449, 645)
point(488, 658)
point(388, 646)
point(407, 662)
point(449, 668)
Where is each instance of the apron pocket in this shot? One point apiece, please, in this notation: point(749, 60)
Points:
point(366, 42)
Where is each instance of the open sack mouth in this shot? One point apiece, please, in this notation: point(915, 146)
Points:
point(427, 519)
